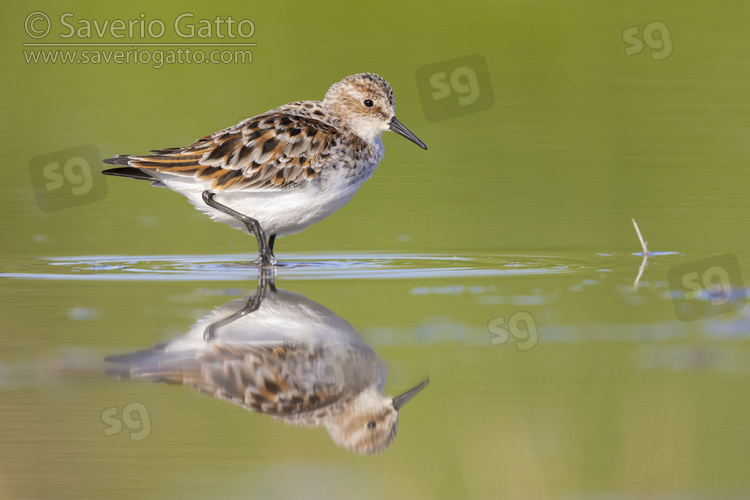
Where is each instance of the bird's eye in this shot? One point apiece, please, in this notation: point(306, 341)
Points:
point(372, 424)
point(369, 104)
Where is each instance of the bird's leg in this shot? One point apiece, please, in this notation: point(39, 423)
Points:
point(271, 241)
point(269, 275)
point(253, 226)
point(252, 305)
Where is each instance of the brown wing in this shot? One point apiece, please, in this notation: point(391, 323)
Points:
point(287, 381)
point(274, 150)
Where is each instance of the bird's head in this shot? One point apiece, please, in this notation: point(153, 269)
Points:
point(368, 424)
point(366, 105)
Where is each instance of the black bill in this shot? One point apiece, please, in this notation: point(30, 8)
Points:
point(404, 398)
point(400, 129)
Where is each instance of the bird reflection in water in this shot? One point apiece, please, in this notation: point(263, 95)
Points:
point(283, 355)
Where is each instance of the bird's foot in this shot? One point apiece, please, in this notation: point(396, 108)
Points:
point(265, 260)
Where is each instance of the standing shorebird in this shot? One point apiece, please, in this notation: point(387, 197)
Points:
point(282, 171)
point(288, 357)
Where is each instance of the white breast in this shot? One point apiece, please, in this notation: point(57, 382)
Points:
point(287, 211)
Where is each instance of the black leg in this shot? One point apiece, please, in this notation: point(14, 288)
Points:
point(252, 225)
point(271, 241)
point(252, 305)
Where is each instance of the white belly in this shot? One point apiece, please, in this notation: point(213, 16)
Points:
point(283, 211)
point(279, 212)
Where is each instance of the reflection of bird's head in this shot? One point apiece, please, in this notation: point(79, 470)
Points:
point(368, 424)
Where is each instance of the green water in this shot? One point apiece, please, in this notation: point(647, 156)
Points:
point(518, 211)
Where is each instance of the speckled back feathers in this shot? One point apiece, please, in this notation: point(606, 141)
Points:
point(286, 146)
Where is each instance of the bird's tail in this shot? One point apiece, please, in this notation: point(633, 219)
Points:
point(129, 172)
point(156, 364)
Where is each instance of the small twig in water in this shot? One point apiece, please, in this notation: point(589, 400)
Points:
point(645, 255)
point(638, 232)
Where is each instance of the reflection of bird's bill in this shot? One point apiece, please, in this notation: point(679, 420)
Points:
point(404, 398)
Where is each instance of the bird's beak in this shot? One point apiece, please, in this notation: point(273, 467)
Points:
point(404, 398)
point(400, 129)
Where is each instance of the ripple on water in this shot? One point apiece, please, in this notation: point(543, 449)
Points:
point(296, 266)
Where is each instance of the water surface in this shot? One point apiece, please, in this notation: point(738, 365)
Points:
point(501, 263)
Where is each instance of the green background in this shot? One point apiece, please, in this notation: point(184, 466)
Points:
point(618, 400)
